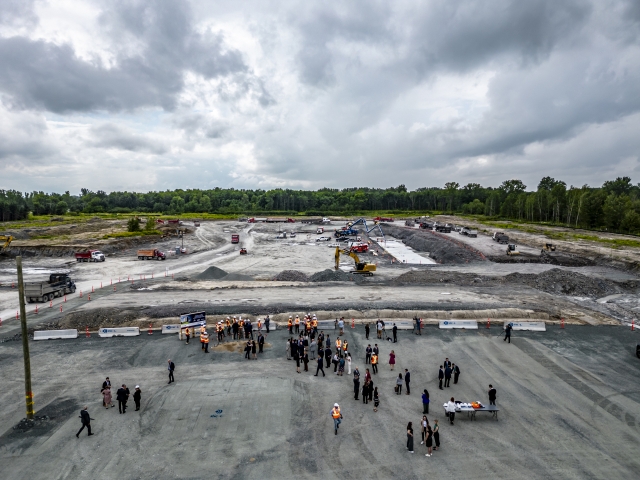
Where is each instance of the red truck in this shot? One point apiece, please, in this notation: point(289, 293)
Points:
point(90, 256)
point(359, 248)
point(383, 219)
point(235, 238)
point(151, 254)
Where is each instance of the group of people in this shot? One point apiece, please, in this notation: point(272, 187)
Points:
point(122, 396)
point(306, 348)
point(309, 324)
point(430, 435)
point(251, 348)
point(447, 370)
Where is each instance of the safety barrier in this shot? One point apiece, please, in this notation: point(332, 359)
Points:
point(468, 324)
point(531, 326)
point(170, 329)
point(119, 332)
point(54, 334)
point(401, 324)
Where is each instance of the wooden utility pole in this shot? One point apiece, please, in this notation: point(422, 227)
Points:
point(25, 343)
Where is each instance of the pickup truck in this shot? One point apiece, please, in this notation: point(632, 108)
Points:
point(359, 247)
point(151, 254)
point(90, 256)
point(319, 230)
point(323, 239)
point(59, 284)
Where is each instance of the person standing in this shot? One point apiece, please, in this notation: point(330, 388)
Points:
point(297, 358)
point(327, 356)
point(374, 363)
point(341, 363)
point(367, 354)
point(305, 359)
point(137, 394)
point(336, 414)
point(254, 350)
point(456, 373)
point(392, 359)
point(121, 396)
point(418, 326)
point(379, 329)
point(425, 402)
point(447, 376)
point(429, 441)
point(204, 337)
point(395, 333)
point(336, 361)
point(440, 377)
point(106, 397)
point(86, 421)
point(187, 333)
point(376, 399)
point(313, 347)
point(410, 437)
point(341, 325)
point(171, 367)
point(492, 395)
point(436, 434)
point(507, 332)
point(423, 428)
point(447, 362)
point(366, 330)
point(105, 384)
point(399, 384)
point(202, 332)
point(451, 410)
point(267, 322)
point(320, 364)
point(297, 324)
point(247, 350)
point(365, 391)
point(288, 348)
point(234, 328)
point(356, 383)
point(367, 375)
point(349, 364)
point(407, 380)
point(260, 343)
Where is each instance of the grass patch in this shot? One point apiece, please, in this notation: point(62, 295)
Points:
point(613, 242)
point(141, 233)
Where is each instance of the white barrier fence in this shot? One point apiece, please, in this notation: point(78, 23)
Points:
point(119, 332)
point(401, 324)
point(531, 326)
point(170, 329)
point(467, 324)
point(54, 334)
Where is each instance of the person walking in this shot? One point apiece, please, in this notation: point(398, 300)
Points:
point(297, 358)
point(204, 337)
point(187, 333)
point(410, 437)
point(320, 365)
point(85, 418)
point(254, 350)
point(423, 428)
point(327, 356)
point(379, 329)
point(356, 383)
point(305, 360)
point(447, 376)
point(507, 332)
point(247, 350)
point(137, 394)
point(429, 441)
point(492, 395)
point(171, 367)
point(425, 401)
point(440, 377)
point(456, 373)
point(399, 384)
point(341, 363)
point(367, 354)
point(392, 359)
point(106, 397)
point(313, 347)
point(451, 410)
point(105, 384)
point(374, 363)
point(349, 364)
point(336, 414)
point(336, 361)
point(267, 322)
point(365, 391)
point(436, 434)
point(121, 396)
point(407, 380)
point(376, 399)
point(366, 330)
point(288, 349)
point(341, 325)
point(395, 333)
point(418, 326)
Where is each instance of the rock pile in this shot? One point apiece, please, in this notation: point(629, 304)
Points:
point(291, 276)
point(329, 275)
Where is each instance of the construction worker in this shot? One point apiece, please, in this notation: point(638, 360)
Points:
point(241, 328)
point(338, 345)
point(314, 324)
point(290, 325)
point(307, 326)
point(297, 323)
point(228, 323)
point(374, 363)
point(345, 344)
point(337, 417)
point(204, 338)
point(220, 330)
point(259, 325)
point(187, 333)
point(203, 330)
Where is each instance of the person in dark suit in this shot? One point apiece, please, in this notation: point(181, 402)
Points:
point(260, 342)
point(395, 333)
point(507, 332)
point(407, 380)
point(171, 367)
point(492, 395)
point(367, 354)
point(356, 382)
point(447, 376)
point(366, 330)
point(267, 321)
point(447, 363)
point(137, 394)
point(440, 377)
point(456, 373)
point(121, 396)
point(86, 421)
point(327, 356)
point(320, 368)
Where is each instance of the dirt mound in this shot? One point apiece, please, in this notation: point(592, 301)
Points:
point(291, 276)
point(329, 275)
point(212, 273)
point(441, 247)
point(566, 282)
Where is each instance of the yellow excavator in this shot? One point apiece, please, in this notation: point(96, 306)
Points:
point(364, 268)
point(5, 241)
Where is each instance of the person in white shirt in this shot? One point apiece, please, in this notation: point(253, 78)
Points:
point(451, 410)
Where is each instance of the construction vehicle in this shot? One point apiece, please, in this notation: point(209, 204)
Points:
point(446, 228)
point(464, 231)
point(383, 219)
point(426, 225)
point(500, 238)
point(282, 235)
point(366, 228)
point(196, 223)
point(235, 238)
point(362, 268)
point(151, 254)
point(346, 232)
point(359, 247)
point(472, 234)
point(243, 251)
point(59, 284)
point(548, 247)
point(5, 241)
point(409, 223)
point(512, 249)
point(319, 230)
point(90, 256)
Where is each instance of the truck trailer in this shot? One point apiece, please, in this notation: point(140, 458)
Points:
point(90, 256)
point(151, 254)
point(59, 284)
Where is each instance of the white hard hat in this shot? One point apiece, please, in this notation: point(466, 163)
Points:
point(336, 405)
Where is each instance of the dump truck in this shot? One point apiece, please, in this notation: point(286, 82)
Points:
point(235, 238)
point(90, 256)
point(512, 249)
point(500, 238)
point(151, 254)
point(446, 228)
point(59, 284)
point(472, 233)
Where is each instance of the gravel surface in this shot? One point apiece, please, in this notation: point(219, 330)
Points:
point(329, 275)
point(291, 276)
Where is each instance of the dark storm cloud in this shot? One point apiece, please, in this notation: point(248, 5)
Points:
point(112, 136)
point(44, 75)
point(17, 12)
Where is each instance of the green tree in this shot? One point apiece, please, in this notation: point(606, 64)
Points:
point(133, 225)
point(149, 225)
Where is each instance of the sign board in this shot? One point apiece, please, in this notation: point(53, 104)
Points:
point(531, 326)
point(401, 324)
point(326, 325)
point(54, 334)
point(193, 317)
point(170, 329)
point(119, 332)
point(468, 324)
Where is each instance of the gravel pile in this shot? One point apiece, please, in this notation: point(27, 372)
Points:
point(291, 276)
point(329, 275)
point(212, 273)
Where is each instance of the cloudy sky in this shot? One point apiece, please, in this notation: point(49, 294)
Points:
point(152, 95)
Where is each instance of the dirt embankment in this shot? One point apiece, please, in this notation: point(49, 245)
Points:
point(441, 247)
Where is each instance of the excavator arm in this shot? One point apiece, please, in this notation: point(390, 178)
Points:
point(5, 241)
point(361, 267)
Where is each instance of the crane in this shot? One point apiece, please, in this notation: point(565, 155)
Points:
point(7, 239)
point(364, 268)
point(366, 228)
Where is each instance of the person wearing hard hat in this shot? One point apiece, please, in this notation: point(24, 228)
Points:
point(297, 324)
point(290, 324)
point(204, 337)
point(187, 333)
point(336, 414)
point(203, 330)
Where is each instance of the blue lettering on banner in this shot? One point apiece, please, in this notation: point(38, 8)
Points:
point(193, 317)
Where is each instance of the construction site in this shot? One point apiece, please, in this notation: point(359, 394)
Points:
point(567, 391)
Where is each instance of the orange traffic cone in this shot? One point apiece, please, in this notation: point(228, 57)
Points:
point(150, 332)
point(562, 323)
point(88, 334)
point(488, 323)
point(353, 323)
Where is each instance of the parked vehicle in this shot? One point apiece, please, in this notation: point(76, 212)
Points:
point(359, 247)
point(243, 251)
point(472, 233)
point(500, 238)
point(235, 238)
point(346, 232)
point(196, 223)
point(319, 230)
point(426, 225)
point(464, 231)
point(446, 228)
point(59, 284)
point(323, 239)
point(90, 256)
point(151, 254)
point(282, 235)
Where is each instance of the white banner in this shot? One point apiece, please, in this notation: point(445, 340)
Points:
point(54, 334)
point(401, 324)
point(532, 326)
point(170, 329)
point(468, 324)
point(328, 325)
point(119, 332)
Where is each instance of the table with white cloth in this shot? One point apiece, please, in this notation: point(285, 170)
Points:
point(471, 411)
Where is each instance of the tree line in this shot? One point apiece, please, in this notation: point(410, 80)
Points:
point(614, 206)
